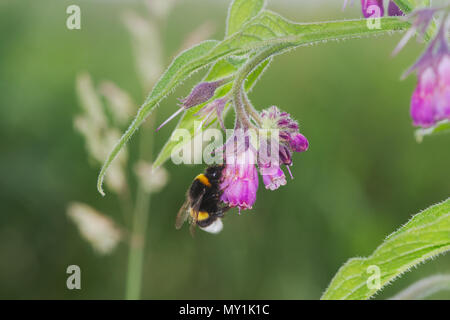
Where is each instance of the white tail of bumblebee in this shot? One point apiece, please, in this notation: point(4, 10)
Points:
point(214, 227)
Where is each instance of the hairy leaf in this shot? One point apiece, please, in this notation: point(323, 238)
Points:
point(180, 69)
point(242, 11)
point(426, 235)
point(409, 5)
point(221, 69)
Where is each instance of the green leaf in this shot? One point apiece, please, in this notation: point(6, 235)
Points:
point(440, 127)
point(269, 29)
point(409, 5)
point(181, 68)
point(242, 11)
point(426, 235)
point(219, 70)
point(266, 30)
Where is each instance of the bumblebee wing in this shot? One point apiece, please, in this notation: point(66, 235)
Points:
point(196, 206)
point(184, 212)
point(182, 215)
point(192, 230)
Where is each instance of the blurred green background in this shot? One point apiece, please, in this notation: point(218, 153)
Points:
point(363, 176)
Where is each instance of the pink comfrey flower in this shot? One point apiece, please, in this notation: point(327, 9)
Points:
point(239, 178)
point(273, 176)
point(289, 140)
point(430, 102)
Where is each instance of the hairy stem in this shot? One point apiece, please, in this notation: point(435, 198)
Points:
point(137, 245)
point(139, 224)
point(251, 109)
point(237, 91)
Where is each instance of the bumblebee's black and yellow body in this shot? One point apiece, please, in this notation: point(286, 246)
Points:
point(203, 199)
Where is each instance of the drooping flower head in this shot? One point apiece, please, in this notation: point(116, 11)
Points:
point(430, 102)
point(287, 140)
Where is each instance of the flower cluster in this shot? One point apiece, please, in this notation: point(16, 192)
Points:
point(279, 138)
point(240, 175)
point(430, 102)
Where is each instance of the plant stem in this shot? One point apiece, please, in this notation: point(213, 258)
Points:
point(139, 225)
point(137, 245)
point(251, 109)
point(238, 85)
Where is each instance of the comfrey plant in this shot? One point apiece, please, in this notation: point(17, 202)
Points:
point(265, 140)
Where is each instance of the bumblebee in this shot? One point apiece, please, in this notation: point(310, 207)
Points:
point(202, 206)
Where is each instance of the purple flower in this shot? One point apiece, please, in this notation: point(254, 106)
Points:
point(273, 176)
point(289, 140)
point(394, 10)
point(443, 89)
point(239, 179)
point(422, 111)
point(298, 142)
point(430, 101)
point(372, 8)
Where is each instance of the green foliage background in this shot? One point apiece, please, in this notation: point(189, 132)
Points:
point(363, 176)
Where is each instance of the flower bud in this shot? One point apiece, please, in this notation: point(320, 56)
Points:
point(200, 94)
point(298, 142)
point(394, 10)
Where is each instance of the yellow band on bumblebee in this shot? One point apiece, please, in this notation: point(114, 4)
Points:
point(203, 179)
point(202, 215)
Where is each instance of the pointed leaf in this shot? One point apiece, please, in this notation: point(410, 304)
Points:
point(181, 68)
point(409, 5)
point(425, 236)
point(241, 11)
